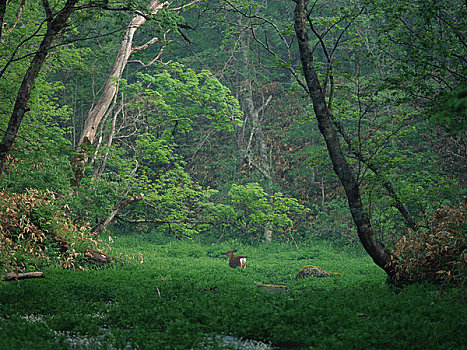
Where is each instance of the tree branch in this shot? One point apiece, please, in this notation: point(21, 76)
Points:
point(184, 6)
point(162, 222)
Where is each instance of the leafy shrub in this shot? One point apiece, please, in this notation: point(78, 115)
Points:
point(437, 253)
point(35, 231)
point(252, 209)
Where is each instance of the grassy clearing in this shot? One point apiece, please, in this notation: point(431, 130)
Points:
point(185, 296)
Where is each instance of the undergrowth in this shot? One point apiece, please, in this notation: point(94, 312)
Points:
point(36, 232)
point(184, 296)
point(436, 252)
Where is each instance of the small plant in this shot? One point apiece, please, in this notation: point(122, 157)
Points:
point(437, 253)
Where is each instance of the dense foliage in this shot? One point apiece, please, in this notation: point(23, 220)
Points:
point(301, 133)
point(211, 131)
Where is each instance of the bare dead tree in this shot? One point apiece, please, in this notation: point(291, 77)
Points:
point(56, 21)
point(110, 90)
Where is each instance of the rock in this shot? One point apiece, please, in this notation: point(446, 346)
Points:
point(313, 271)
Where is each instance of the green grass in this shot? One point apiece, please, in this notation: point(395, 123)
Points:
point(166, 303)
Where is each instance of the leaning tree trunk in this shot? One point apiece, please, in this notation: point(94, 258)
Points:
point(341, 167)
point(54, 26)
point(120, 206)
point(110, 90)
point(409, 220)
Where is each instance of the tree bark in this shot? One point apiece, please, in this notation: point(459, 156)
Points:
point(110, 90)
point(341, 167)
point(54, 26)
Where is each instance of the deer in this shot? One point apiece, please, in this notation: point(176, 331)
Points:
point(236, 261)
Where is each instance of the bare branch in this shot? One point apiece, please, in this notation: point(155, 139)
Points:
point(18, 16)
point(185, 6)
point(265, 104)
point(162, 222)
point(145, 46)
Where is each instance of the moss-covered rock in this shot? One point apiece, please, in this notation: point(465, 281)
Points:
point(313, 271)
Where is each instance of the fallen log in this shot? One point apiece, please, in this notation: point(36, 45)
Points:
point(97, 257)
point(21, 276)
point(272, 288)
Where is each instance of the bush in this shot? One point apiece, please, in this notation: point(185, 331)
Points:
point(437, 253)
point(35, 231)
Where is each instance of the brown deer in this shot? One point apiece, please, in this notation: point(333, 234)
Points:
point(236, 261)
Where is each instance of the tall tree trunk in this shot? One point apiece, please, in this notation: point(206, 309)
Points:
point(110, 91)
point(54, 25)
point(263, 165)
point(98, 170)
point(341, 167)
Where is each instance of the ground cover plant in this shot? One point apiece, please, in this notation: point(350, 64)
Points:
point(184, 296)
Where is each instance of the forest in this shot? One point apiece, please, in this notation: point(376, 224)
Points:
point(323, 141)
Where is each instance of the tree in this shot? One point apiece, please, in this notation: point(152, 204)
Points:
point(425, 43)
point(253, 211)
point(140, 148)
point(341, 167)
point(111, 87)
point(327, 52)
point(56, 22)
